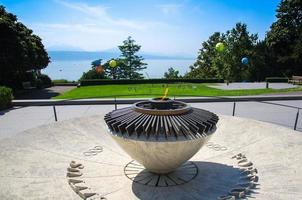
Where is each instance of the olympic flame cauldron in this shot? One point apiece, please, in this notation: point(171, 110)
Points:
point(161, 134)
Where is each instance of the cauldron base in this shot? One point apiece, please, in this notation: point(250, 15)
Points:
point(183, 174)
point(160, 156)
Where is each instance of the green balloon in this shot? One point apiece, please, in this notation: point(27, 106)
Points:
point(112, 63)
point(219, 47)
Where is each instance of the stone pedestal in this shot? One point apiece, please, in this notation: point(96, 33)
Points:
point(35, 164)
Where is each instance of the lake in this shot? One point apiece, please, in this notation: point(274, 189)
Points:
point(70, 65)
point(73, 69)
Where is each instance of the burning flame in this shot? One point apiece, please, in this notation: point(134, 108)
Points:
point(165, 94)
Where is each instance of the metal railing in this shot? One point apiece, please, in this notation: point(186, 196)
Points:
point(116, 100)
point(297, 114)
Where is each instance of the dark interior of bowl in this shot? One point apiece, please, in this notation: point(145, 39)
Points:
point(161, 103)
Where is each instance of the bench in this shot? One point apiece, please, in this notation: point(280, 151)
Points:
point(295, 80)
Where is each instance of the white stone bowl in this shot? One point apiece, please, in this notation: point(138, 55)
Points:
point(163, 155)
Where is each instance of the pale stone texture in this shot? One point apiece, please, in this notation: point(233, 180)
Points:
point(33, 163)
point(160, 156)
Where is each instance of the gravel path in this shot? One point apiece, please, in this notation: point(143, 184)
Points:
point(256, 85)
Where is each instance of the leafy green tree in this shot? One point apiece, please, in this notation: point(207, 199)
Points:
point(97, 71)
point(20, 51)
point(227, 64)
point(239, 43)
point(172, 73)
point(206, 66)
point(284, 39)
point(117, 72)
point(132, 62)
point(92, 74)
point(261, 63)
point(128, 64)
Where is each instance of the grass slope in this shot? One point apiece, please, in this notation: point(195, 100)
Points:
point(156, 90)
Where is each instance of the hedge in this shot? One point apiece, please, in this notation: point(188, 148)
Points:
point(144, 81)
point(6, 97)
point(60, 81)
point(43, 81)
point(64, 82)
point(276, 79)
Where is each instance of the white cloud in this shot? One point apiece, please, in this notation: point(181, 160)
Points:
point(85, 36)
point(90, 10)
point(93, 28)
point(169, 9)
point(100, 13)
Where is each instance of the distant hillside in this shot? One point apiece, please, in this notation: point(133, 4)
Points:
point(86, 55)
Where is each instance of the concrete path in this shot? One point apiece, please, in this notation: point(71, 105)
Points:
point(17, 120)
point(255, 85)
point(46, 93)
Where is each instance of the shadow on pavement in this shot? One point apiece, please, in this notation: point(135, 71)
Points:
point(3, 112)
point(213, 180)
point(45, 93)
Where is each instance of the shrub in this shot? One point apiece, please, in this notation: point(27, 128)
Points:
point(6, 97)
point(91, 75)
point(276, 79)
point(142, 81)
point(60, 81)
point(45, 81)
point(64, 82)
point(39, 84)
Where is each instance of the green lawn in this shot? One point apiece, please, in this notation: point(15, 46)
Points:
point(156, 90)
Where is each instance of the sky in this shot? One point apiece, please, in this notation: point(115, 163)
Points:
point(176, 27)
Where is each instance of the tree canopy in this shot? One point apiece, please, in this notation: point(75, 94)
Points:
point(279, 54)
point(117, 72)
point(128, 65)
point(227, 64)
point(132, 62)
point(96, 72)
point(284, 40)
point(172, 73)
point(20, 51)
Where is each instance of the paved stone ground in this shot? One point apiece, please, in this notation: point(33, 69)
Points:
point(16, 120)
point(256, 85)
point(46, 93)
point(37, 164)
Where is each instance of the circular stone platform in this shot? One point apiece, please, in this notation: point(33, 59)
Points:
point(78, 159)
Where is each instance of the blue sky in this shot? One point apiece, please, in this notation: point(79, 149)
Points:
point(161, 27)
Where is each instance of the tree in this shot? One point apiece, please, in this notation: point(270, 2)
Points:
point(93, 73)
point(204, 67)
point(172, 73)
point(128, 64)
point(261, 63)
point(284, 39)
point(20, 51)
point(117, 72)
point(239, 43)
point(132, 62)
point(227, 65)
